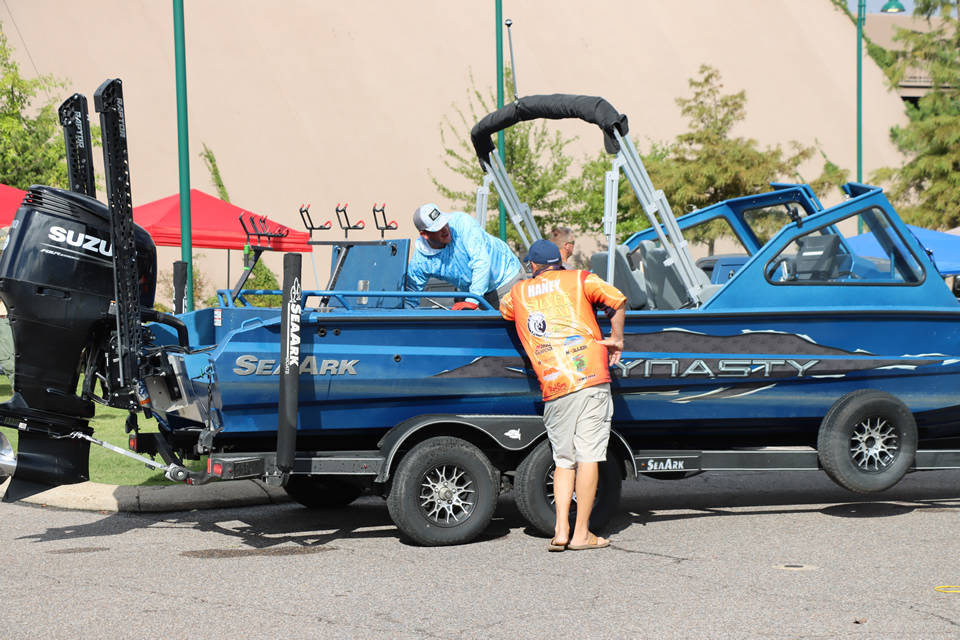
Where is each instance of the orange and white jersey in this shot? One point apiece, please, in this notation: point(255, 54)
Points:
point(556, 318)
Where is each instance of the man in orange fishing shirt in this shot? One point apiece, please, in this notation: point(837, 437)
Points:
point(556, 316)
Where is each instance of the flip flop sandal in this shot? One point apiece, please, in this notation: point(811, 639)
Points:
point(594, 543)
point(553, 546)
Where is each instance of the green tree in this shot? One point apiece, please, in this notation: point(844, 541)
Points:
point(261, 277)
point(210, 160)
point(926, 188)
point(706, 164)
point(536, 162)
point(701, 167)
point(885, 59)
point(31, 141)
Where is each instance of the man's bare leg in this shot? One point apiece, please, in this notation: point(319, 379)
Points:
point(587, 476)
point(563, 483)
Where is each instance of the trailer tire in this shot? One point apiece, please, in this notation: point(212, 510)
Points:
point(444, 492)
point(533, 487)
point(321, 492)
point(867, 441)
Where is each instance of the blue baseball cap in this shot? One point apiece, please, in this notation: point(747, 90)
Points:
point(543, 252)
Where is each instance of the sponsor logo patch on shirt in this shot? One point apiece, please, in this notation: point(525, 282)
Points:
point(559, 387)
point(551, 374)
point(537, 324)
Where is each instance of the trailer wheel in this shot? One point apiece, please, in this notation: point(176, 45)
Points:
point(444, 492)
point(867, 441)
point(321, 492)
point(533, 486)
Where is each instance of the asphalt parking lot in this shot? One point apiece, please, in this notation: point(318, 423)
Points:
point(737, 555)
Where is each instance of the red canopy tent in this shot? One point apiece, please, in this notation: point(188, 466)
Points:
point(10, 199)
point(215, 224)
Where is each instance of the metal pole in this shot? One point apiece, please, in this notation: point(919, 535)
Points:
point(288, 408)
point(861, 10)
point(500, 134)
point(513, 62)
point(179, 286)
point(186, 240)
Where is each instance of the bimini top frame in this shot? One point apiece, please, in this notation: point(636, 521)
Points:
point(616, 142)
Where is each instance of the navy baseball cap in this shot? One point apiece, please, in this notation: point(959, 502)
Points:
point(543, 252)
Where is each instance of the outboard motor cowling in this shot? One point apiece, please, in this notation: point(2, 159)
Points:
point(57, 282)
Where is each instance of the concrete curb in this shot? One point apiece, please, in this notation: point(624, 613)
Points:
point(93, 496)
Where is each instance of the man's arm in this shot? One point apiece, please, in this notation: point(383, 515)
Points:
point(415, 281)
point(614, 304)
point(474, 242)
point(614, 343)
point(506, 307)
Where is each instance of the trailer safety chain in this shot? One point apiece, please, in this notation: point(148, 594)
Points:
point(106, 445)
point(174, 472)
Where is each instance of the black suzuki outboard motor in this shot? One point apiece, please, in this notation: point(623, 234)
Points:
point(77, 277)
point(57, 282)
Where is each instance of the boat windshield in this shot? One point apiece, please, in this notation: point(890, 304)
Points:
point(837, 253)
point(765, 222)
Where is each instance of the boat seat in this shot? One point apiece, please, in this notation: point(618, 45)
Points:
point(635, 257)
point(817, 258)
point(629, 281)
point(665, 288)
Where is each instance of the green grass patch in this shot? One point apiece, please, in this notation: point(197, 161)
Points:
point(108, 466)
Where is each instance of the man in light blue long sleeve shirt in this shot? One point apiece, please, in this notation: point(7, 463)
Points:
point(454, 248)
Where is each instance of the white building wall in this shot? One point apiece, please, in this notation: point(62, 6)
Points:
point(326, 102)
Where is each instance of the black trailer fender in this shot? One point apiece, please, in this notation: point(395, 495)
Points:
point(511, 432)
point(619, 443)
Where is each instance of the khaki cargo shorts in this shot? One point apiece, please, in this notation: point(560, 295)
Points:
point(578, 425)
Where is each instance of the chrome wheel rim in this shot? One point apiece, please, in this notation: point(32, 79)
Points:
point(447, 495)
point(874, 445)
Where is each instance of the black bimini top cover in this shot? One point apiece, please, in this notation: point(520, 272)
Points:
point(557, 106)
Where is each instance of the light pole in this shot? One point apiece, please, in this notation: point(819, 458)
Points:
point(186, 239)
point(500, 135)
point(892, 6)
point(861, 16)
